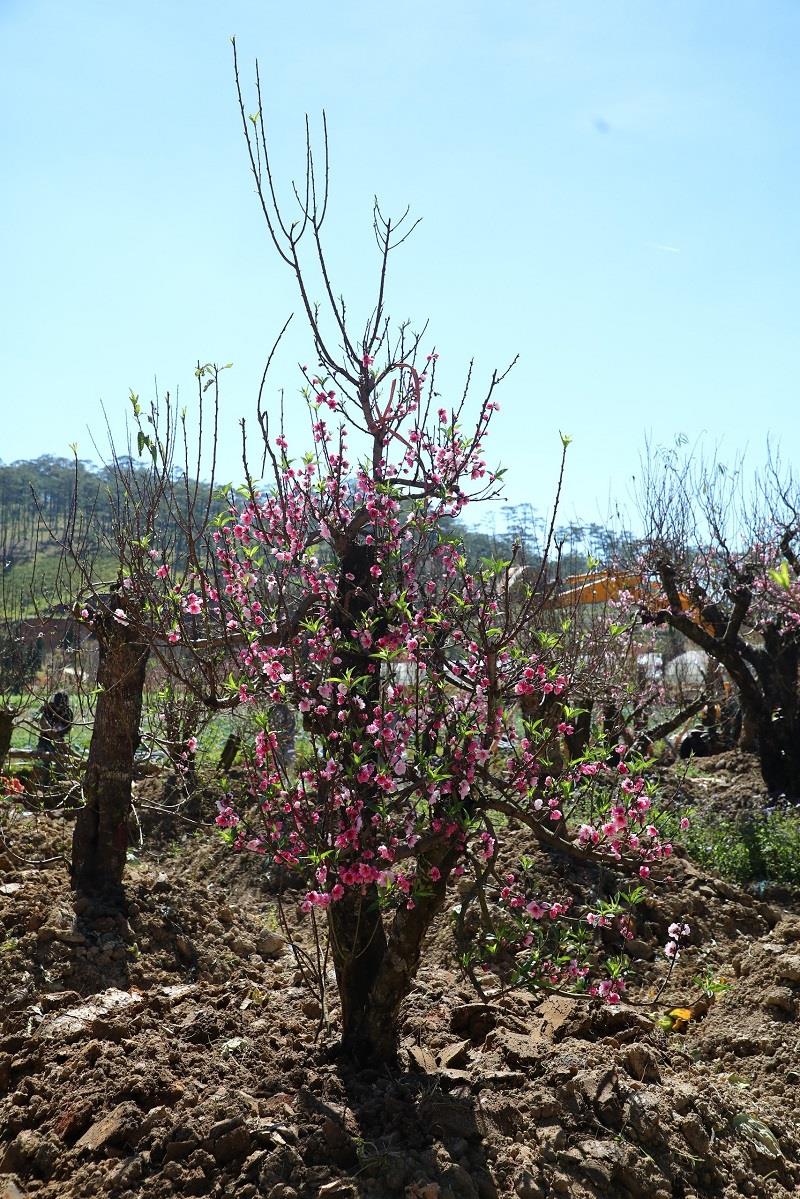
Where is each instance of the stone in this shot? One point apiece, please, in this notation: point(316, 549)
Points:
point(780, 998)
point(88, 1018)
point(228, 1139)
point(420, 1060)
point(340, 1188)
point(270, 944)
point(154, 1117)
point(271, 1133)
point(455, 1056)
point(788, 965)
point(120, 1125)
point(178, 991)
point(53, 1001)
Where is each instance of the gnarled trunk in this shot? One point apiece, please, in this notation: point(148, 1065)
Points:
point(778, 725)
point(374, 982)
point(100, 840)
point(779, 756)
point(358, 947)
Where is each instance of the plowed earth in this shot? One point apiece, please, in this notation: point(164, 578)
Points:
point(173, 1051)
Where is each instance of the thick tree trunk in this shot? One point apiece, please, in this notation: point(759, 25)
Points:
point(748, 737)
point(358, 947)
point(779, 757)
point(373, 985)
point(778, 724)
point(6, 729)
point(100, 840)
point(399, 967)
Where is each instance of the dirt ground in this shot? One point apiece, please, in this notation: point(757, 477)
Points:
point(174, 1051)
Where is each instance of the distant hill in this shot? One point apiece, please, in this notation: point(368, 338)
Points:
point(42, 498)
point(40, 501)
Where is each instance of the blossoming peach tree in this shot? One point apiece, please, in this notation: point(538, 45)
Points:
point(357, 607)
point(352, 601)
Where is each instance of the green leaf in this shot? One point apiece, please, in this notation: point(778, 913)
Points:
point(782, 575)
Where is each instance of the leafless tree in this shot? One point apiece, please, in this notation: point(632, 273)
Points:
point(723, 544)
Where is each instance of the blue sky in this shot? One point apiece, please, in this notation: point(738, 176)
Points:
point(610, 190)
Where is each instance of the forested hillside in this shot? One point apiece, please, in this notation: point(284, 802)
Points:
point(43, 499)
point(47, 500)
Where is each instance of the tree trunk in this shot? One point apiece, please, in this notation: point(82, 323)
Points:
point(376, 983)
point(100, 840)
point(358, 947)
point(374, 970)
point(779, 758)
point(778, 731)
point(229, 751)
point(748, 737)
point(6, 729)
point(578, 740)
point(399, 966)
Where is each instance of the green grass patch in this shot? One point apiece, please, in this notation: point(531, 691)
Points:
point(34, 584)
point(758, 848)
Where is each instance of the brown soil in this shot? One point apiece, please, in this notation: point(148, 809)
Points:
point(728, 785)
point(174, 1052)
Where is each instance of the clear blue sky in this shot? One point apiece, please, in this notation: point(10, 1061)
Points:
point(610, 189)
